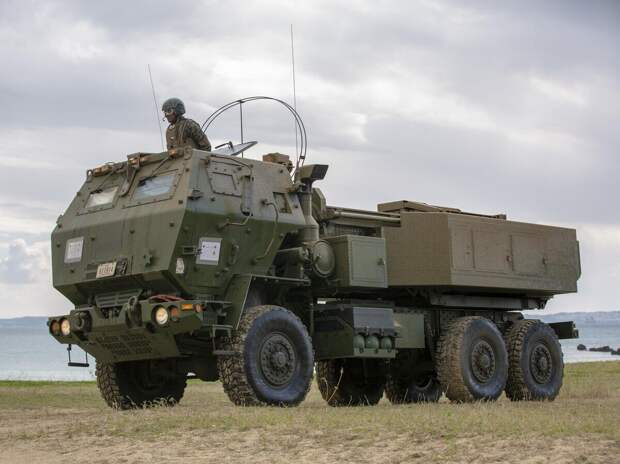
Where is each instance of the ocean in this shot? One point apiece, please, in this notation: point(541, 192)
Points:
point(30, 353)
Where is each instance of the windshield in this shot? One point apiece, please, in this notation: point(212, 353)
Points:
point(101, 197)
point(153, 186)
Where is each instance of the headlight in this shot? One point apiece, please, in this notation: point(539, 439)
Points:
point(161, 315)
point(65, 327)
point(55, 328)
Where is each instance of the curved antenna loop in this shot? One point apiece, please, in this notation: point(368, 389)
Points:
point(303, 146)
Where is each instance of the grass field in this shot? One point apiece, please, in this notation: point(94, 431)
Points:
point(68, 422)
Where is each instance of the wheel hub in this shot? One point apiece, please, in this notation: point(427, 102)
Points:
point(277, 359)
point(541, 364)
point(483, 361)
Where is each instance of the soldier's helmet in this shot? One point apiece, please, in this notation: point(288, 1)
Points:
point(174, 104)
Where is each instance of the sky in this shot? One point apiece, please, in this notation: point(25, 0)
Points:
point(493, 107)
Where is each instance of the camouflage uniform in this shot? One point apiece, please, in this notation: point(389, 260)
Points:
point(186, 132)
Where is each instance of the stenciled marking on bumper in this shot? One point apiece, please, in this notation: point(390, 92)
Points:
point(122, 339)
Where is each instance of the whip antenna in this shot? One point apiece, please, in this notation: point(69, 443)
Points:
point(294, 91)
point(161, 134)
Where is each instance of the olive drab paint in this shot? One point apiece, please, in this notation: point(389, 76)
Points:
point(197, 206)
point(175, 262)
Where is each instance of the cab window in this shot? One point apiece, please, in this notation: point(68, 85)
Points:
point(157, 186)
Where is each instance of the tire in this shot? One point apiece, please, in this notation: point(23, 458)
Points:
point(472, 363)
point(271, 361)
point(342, 382)
point(138, 384)
point(536, 364)
point(404, 385)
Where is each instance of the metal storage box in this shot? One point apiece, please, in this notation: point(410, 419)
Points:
point(360, 261)
point(336, 328)
point(465, 251)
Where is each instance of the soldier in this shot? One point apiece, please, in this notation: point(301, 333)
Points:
point(182, 131)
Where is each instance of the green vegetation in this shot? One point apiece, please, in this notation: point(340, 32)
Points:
point(583, 423)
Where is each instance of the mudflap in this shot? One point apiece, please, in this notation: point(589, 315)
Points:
point(236, 295)
point(565, 330)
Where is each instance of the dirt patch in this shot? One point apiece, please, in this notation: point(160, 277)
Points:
point(258, 447)
point(70, 423)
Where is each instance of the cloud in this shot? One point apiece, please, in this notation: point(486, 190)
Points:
point(491, 107)
point(24, 263)
point(21, 217)
point(553, 89)
point(600, 265)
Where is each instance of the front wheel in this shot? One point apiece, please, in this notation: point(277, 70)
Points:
point(139, 384)
point(271, 359)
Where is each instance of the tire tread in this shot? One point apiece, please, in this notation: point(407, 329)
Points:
point(335, 391)
point(117, 396)
point(448, 369)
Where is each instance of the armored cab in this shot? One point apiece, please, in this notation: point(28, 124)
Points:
point(205, 264)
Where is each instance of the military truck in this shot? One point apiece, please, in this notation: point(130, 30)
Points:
point(193, 264)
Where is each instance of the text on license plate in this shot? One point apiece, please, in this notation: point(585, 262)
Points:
point(106, 269)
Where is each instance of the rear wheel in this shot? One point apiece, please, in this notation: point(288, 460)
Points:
point(271, 361)
point(472, 363)
point(406, 383)
point(351, 382)
point(139, 384)
point(536, 363)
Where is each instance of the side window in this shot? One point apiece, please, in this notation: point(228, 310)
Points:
point(101, 197)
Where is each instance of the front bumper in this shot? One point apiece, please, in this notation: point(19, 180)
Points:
point(133, 334)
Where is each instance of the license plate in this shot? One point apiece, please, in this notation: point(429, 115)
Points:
point(106, 269)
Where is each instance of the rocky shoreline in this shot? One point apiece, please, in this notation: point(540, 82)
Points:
point(599, 349)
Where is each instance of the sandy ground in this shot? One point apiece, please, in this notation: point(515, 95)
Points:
point(67, 423)
point(259, 446)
